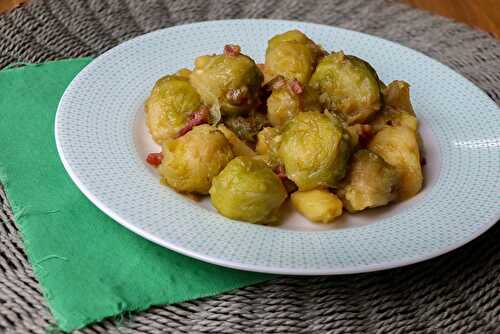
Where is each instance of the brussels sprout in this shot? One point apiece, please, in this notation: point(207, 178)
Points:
point(190, 162)
point(314, 150)
point(248, 190)
point(292, 55)
point(238, 146)
point(230, 82)
point(398, 146)
point(291, 36)
point(247, 127)
point(284, 104)
point(318, 205)
point(169, 106)
point(370, 182)
point(347, 85)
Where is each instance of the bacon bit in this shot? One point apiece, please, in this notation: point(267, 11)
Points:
point(238, 96)
point(296, 87)
point(365, 134)
point(154, 159)
point(232, 50)
point(198, 117)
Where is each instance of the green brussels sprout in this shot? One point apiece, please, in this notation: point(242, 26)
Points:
point(248, 190)
point(190, 162)
point(292, 55)
point(247, 127)
point(230, 82)
point(314, 150)
point(348, 85)
point(370, 182)
point(284, 104)
point(169, 106)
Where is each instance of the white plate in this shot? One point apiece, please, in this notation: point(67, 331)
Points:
point(103, 142)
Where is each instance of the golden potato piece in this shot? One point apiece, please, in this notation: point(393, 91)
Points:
point(191, 162)
point(398, 146)
point(318, 205)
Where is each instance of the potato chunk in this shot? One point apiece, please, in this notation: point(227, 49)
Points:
point(318, 205)
point(398, 146)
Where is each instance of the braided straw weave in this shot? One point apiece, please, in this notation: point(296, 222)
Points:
point(455, 293)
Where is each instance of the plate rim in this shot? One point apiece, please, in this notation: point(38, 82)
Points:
point(360, 268)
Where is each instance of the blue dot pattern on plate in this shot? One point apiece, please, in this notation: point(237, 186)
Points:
point(94, 131)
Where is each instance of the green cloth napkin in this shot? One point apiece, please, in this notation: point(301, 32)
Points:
point(89, 266)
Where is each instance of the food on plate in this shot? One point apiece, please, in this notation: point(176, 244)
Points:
point(292, 55)
point(247, 127)
point(371, 182)
point(318, 205)
point(191, 161)
point(348, 85)
point(318, 128)
point(239, 146)
point(248, 190)
point(398, 146)
point(169, 107)
point(229, 82)
point(287, 99)
point(398, 109)
point(314, 149)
